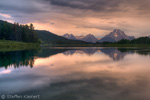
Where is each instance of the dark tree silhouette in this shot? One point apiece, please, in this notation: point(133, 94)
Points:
point(17, 32)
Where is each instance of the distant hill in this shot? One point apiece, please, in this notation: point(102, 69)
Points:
point(88, 38)
point(48, 37)
point(115, 36)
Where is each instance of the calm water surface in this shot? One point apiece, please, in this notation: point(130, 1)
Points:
point(77, 74)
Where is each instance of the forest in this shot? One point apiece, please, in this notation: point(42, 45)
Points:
point(17, 32)
point(140, 40)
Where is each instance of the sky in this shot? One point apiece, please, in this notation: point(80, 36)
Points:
point(80, 17)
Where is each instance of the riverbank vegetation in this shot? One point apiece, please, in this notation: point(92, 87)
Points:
point(139, 42)
point(6, 45)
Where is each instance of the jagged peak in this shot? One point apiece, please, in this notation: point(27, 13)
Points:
point(116, 35)
point(117, 30)
point(68, 34)
point(89, 34)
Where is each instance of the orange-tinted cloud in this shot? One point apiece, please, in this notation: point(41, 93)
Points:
point(81, 17)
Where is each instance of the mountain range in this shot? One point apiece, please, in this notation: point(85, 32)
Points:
point(48, 37)
point(88, 38)
point(114, 36)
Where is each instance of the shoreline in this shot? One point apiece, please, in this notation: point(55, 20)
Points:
point(6, 45)
point(97, 45)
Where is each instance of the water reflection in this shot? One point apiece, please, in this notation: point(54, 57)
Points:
point(140, 51)
point(27, 57)
point(114, 53)
point(81, 51)
point(82, 74)
point(49, 52)
point(17, 58)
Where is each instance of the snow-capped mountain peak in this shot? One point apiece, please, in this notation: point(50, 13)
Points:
point(116, 35)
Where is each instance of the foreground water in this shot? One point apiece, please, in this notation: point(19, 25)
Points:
point(76, 74)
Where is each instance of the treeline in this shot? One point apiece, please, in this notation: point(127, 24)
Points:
point(141, 40)
point(17, 32)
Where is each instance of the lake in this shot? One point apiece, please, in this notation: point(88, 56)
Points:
point(76, 74)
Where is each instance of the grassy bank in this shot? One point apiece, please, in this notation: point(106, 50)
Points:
point(6, 45)
point(99, 45)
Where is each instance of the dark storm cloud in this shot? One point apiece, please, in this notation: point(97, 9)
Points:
point(102, 5)
point(95, 5)
point(19, 8)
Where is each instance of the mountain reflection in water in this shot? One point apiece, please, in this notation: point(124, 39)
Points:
point(77, 74)
point(113, 53)
point(27, 57)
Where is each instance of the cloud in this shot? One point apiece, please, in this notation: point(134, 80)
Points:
point(5, 15)
point(95, 5)
point(81, 16)
point(22, 6)
point(103, 5)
